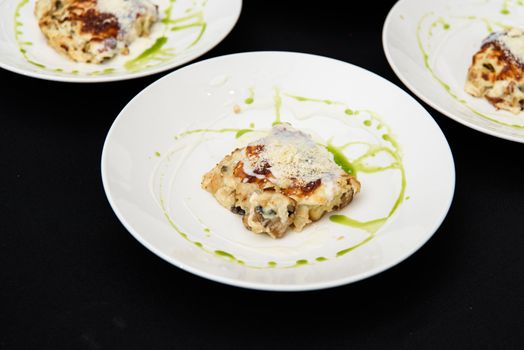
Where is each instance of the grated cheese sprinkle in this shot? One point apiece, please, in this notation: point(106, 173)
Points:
point(292, 155)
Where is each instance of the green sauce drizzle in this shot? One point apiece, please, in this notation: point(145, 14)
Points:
point(353, 167)
point(278, 106)
point(505, 8)
point(225, 254)
point(371, 226)
point(19, 32)
point(487, 22)
point(99, 72)
point(167, 12)
point(347, 250)
point(154, 52)
point(387, 145)
point(440, 21)
point(341, 159)
point(359, 165)
point(309, 99)
point(230, 257)
point(242, 132)
point(199, 23)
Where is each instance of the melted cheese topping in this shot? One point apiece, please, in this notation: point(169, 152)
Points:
point(511, 41)
point(291, 155)
point(126, 11)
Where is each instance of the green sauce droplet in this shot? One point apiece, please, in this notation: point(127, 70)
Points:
point(349, 111)
point(367, 122)
point(302, 262)
point(198, 244)
point(157, 154)
point(225, 254)
point(320, 259)
point(272, 264)
point(251, 98)
point(207, 230)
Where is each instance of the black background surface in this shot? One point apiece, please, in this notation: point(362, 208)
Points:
point(72, 277)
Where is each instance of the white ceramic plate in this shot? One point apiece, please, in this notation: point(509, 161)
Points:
point(186, 30)
point(178, 128)
point(430, 43)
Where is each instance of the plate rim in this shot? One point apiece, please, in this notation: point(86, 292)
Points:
point(424, 98)
point(269, 286)
point(126, 76)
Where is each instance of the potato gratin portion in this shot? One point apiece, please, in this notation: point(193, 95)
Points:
point(93, 31)
point(497, 71)
point(279, 181)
